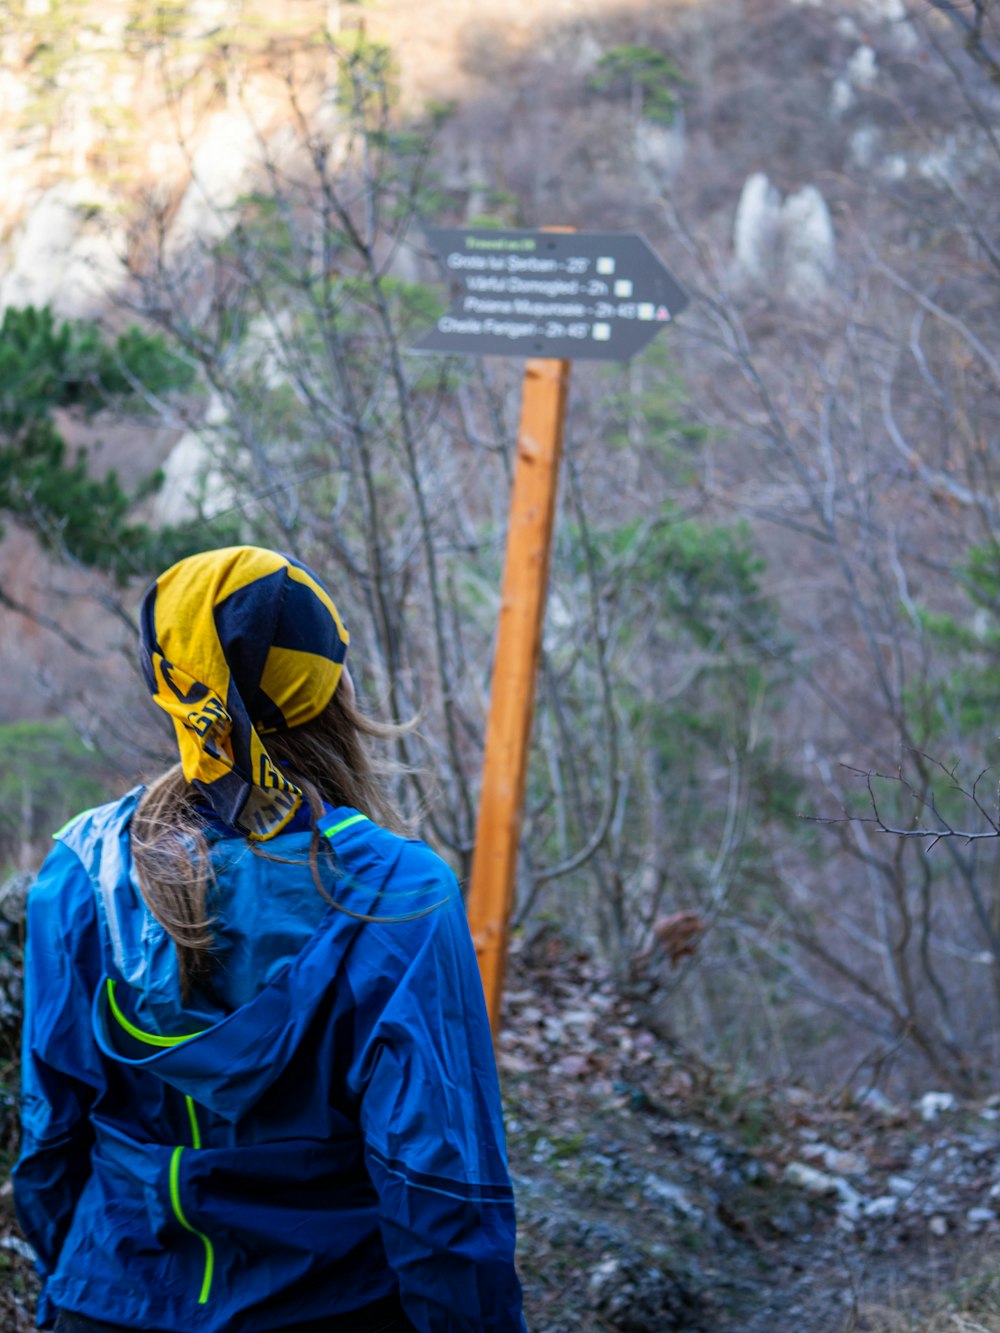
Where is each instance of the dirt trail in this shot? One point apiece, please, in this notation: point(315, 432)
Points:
point(654, 1195)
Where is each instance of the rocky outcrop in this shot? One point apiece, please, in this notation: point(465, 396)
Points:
point(786, 245)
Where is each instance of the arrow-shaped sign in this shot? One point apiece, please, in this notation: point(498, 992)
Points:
point(565, 295)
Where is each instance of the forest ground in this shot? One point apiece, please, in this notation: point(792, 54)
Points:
point(657, 1194)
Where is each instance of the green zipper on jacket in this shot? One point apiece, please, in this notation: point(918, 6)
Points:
point(344, 823)
point(148, 1038)
point(154, 1039)
point(175, 1199)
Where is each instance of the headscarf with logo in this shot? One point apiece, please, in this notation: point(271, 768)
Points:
point(237, 643)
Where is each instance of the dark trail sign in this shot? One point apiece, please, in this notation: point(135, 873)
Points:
point(566, 295)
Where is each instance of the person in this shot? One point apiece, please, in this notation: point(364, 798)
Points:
point(259, 1089)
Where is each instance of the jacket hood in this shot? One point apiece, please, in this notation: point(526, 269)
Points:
point(279, 943)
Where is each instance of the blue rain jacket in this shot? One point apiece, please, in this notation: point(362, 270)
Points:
point(321, 1130)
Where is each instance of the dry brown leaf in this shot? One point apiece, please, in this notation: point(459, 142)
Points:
point(679, 934)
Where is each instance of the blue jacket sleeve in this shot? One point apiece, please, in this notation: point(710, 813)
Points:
point(432, 1124)
point(61, 1073)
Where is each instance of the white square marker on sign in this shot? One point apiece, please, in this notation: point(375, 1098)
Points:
point(602, 332)
point(646, 310)
point(605, 264)
point(623, 287)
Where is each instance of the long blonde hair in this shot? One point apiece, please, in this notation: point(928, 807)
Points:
point(330, 762)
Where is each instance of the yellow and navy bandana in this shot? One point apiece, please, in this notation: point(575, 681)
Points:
point(237, 643)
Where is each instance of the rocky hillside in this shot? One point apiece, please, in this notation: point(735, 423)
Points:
point(821, 176)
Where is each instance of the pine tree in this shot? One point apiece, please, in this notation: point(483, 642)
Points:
point(46, 366)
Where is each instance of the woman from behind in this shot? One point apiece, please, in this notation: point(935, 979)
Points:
point(259, 1086)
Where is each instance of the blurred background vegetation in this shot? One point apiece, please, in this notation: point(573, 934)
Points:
point(768, 690)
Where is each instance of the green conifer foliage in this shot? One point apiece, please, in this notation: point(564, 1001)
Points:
point(47, 366)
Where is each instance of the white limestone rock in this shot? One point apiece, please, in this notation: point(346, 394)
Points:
point(842, 96)
point(221, 165)
point(862, 68)
point(886, 1205)
point(892, 13)
point(861, 72)
point(660, 150)
point(810, 245)
point(756, 227)
point(931, 1104)
point(862, 146)
point(65, 254)
point(194, 483)
point(787, 246)
point(587, 54)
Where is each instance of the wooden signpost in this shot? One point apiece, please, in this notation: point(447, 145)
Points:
point(552, 296)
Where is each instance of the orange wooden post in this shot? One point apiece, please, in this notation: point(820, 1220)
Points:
point(512, 697)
